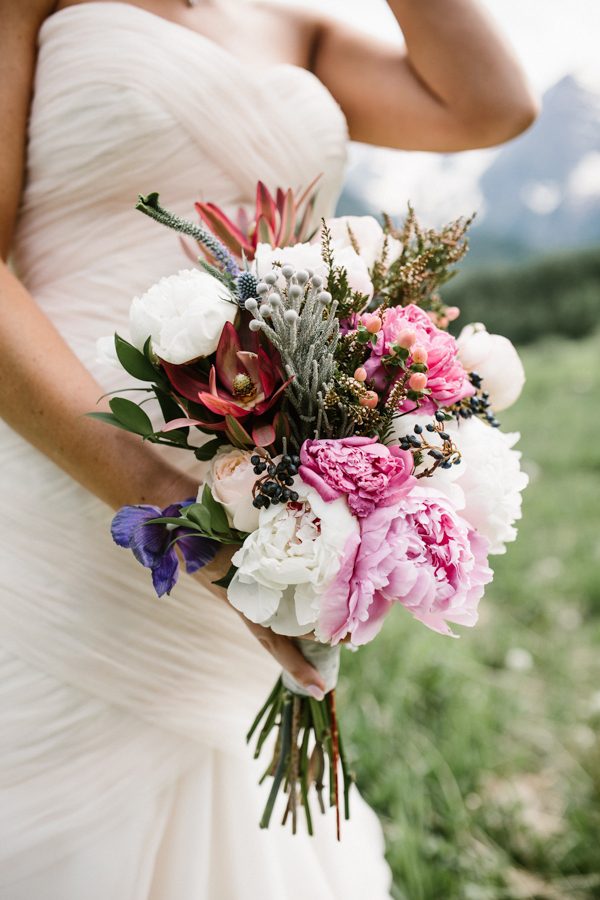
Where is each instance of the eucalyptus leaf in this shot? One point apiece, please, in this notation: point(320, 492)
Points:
point(181, 522)
point(199, 514)
point(131, 417)
point(169, 408)
point(208, 450)
point(133, 361)
point(226, 580)
point(218, 517)
point(110, 419)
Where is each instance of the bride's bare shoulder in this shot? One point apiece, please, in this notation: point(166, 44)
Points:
point(294, 29)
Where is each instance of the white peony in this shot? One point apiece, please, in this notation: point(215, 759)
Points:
point(183, 314)
point(445, 480)
point(494, 358)
point(288, 562)
point(231, 478)
point(308, 257)
point(486, 485)
point(369, 236)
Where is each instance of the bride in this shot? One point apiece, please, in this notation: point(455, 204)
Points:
point(124, 773)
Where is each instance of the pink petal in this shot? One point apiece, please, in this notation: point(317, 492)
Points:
point(179, 423)
point(227, 356)
point(263, 435)
point(184, 380)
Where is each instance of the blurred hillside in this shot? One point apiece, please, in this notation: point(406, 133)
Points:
point(533, 195)
point(549, 295)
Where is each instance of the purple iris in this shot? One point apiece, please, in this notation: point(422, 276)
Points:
point(154, 545)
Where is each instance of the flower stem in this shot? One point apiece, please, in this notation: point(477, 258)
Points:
point(286, 732)
point(151, 207)
point(268, 702)
point(334, 758)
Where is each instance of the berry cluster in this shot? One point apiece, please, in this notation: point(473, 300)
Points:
point(276, 481)
point(443, 456)
point(477, 405)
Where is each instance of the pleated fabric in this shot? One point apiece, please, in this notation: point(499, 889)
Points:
point(124, 771)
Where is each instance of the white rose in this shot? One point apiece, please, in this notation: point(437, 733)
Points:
point(368, 234)
point(486, 485)
point(494, 358)
point(231, 478)
point(289, 561)
point(183, 314)
point(308, 256)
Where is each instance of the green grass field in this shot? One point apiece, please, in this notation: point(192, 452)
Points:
point(482, 755)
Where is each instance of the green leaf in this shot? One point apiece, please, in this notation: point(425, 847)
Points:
point(181, 521)
point(218, 517)
point(208, 450)
point(237, 434)
point(199, 514)
point(226, 580)
point(109, 419)
point(169, 408)
point(133, 361)
point(131, 417)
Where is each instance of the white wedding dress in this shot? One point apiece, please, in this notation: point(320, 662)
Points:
point(123, 764)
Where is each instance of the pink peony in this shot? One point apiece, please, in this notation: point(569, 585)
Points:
point(447, 379)
point(362, 469)
point(419, 553)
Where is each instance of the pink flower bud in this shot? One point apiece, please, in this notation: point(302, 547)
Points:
point(360, 374)
point(406, 338)
point(419, 354)
point(417, 381)
point(452, 313)
point(370, 400)
point(442, 322)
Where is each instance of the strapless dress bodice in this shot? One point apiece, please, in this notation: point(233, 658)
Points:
point(126, 102)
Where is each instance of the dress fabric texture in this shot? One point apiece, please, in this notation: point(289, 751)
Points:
point(123, 764)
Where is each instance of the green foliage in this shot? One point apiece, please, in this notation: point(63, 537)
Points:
point(128, 415)
point(207, 517)
point(135, 362)
point(426, 262)
point(482, 755)
point(558, 294)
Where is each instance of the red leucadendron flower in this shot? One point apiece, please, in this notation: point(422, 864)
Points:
point(280, 221)
point(242, 387)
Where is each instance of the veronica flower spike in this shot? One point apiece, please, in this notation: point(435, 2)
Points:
point(154, 545)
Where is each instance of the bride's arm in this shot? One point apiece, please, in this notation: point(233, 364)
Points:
point(456, 85)
point(45, 390)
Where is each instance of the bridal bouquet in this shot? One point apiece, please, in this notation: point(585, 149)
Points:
point(354, 453)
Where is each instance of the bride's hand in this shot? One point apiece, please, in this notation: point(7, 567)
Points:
point(280, 647)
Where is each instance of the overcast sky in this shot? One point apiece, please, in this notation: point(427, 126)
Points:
point(551, 36)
